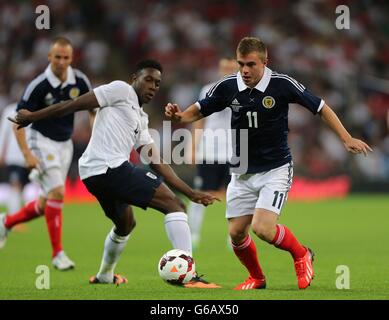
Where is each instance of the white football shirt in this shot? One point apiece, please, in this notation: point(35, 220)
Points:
point(120, 125)
point(9, 147)
point(215, 144)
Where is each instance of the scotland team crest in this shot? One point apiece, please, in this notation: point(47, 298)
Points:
point(268, 102)
point(74, 92)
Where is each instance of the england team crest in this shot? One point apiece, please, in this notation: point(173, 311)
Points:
point(268, 102)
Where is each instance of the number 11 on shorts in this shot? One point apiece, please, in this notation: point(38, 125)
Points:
point(277, 195)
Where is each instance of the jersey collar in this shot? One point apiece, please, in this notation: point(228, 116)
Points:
point(261, 85)
point(55, 82)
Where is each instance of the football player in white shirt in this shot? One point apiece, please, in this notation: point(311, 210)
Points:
point(121, 125)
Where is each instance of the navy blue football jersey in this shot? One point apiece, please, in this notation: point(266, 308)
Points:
point(263, 111)
point(45, 90)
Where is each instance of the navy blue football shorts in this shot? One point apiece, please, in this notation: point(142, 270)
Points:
point(123, 186)
point(212, 177)
point(17, 174)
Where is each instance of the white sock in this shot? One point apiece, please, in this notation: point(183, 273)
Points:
point(178, 232)
point(113, 247)
point(14, 200)
point(195, 219)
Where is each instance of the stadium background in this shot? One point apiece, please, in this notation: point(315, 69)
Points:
point(348, 68)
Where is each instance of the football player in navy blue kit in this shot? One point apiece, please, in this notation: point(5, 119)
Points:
point(258, 98)
point(48, 148)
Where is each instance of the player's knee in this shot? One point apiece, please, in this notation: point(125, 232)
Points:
point(182, 205)
point(132, 225)
point(263, 231)
point(124, 229)
point(174, 204)
point(237, 236)
point(57, 194)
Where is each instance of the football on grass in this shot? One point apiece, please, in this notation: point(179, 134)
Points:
point(176, 267)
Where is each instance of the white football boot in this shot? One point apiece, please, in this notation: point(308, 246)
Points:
point(62, 262)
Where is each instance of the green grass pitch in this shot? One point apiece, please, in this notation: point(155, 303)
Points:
point(351, 232)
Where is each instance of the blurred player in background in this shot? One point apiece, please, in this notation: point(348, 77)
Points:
point(121, 125)
point(12, 158)
point(210, 155)
point(48, 148)
point(259, 99)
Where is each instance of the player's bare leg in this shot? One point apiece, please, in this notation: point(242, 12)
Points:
point(245, 249)
point(264, 225)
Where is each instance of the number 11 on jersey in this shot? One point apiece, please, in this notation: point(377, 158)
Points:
point(253, 119)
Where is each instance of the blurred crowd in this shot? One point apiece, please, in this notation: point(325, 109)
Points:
point(348, 68)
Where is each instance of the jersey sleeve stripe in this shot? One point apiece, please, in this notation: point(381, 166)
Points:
point(321, 105)
point(212, 90)
point(33, 84)
point(82, 75)
point(290, 78)
point(298, 86)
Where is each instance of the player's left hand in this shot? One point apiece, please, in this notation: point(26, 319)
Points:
point(203, 198)
point(23, 118)
point(357, 146)
point(173, 112)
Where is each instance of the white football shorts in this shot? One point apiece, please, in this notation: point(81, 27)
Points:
point(267, 190)
point(55, 158)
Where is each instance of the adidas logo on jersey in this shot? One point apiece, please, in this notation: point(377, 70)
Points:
point(49, 99)
point(235, 105)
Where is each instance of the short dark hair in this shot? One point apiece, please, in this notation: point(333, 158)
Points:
point(149, 63)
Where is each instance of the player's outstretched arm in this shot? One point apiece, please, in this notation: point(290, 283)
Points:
point(87, 101)
point(171, 179)
point(191, 114)
point(351, 144)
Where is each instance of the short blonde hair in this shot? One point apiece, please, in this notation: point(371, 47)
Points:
point(252, 44)
point(62, 41)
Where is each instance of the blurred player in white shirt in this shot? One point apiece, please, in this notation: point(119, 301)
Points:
point(211, 151)
point(12, 158)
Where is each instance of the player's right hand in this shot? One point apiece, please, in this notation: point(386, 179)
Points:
point(23, 118)
point(357, 146)
point(31, 161)
point(203, 198)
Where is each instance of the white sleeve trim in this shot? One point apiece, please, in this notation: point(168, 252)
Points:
point(321, 105)
point(198, 105)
